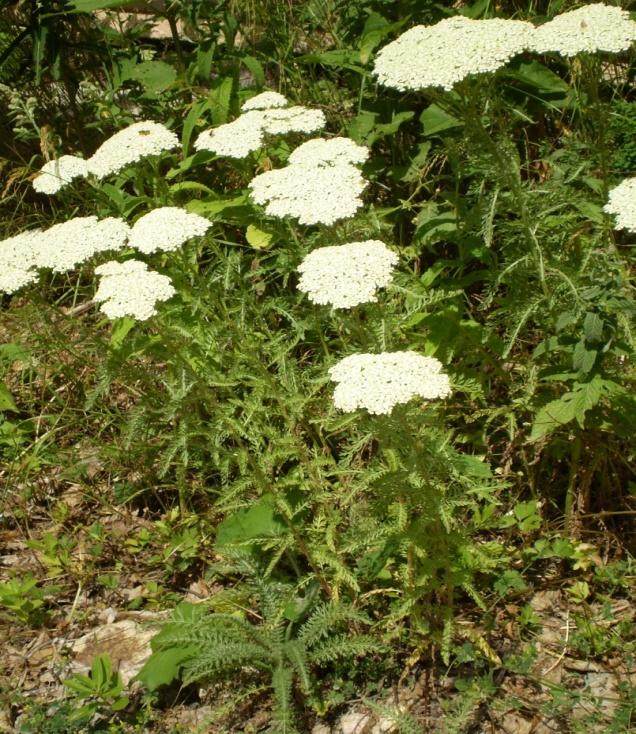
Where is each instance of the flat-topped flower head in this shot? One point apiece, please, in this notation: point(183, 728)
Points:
point(296, 119)
point(132, 144)
point(235, 139)
point(379, 382)
point(622, 204)
point(166, 228)
point(246, 134)
point(347, 275)
point(443, 54)
point(592, 28)
point(322, 151)
point(18, 261)
point(130, 289)
point(70, 243)
point(264, 101)
point(313, 194)
point(56, 174)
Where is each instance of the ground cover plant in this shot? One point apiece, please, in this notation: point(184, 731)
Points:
point(316, 366)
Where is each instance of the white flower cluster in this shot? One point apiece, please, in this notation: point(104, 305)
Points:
point(347, 275)
point(137, 141)
point(17, 261)
point(264, 101)
point(130, 289)
point(379, 382)
point(65, 245)
point(166, 228)
point(263, 115)
point(57, 173)
point(61, 248)
point(594, 27)
point(330, 150)
point(319, 184)
point(622, 204)
point(445, 53)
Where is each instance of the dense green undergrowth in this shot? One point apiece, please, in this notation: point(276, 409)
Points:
point(347, 552)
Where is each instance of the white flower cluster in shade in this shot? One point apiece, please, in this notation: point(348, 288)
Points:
point(622, 204)
point(246, 134)
point(346, 275)
point(65, 245)
point(264, 101)
point(320, 189)
point(443, 54)
point(57, 173)
point(130, 289)
point(17, 261)
point(379, 382)
point(166, 229)
point(60, 248)
point(137, 141)
point(594, 27)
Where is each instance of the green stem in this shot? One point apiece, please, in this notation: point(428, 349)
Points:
point(570, 497)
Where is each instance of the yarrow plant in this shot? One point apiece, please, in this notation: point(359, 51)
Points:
point(166, 228)
point(265, 101)
point(130, 289)
point(379, 382)
point(594, 27)
point(443, 54)
point(246, 134)
point(319, 185)
point(57, 173)
point(622, 204)
point(130, 145)
point(347, 275)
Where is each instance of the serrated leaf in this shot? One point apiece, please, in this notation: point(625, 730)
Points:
point(258, 238)
point(258, 522)
point(583, 358)
point(593, 327)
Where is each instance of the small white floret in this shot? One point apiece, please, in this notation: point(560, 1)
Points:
point(443, 54)
point(592, 28)
point(347, 275)
point(130, 289)
point(166, 228)
point(264, 101)
point(622, 204)
point(379, 382)
point(132, 144)
point(293, 120)
point(234, 139)
point(56, 174)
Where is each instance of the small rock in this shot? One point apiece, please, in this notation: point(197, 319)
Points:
point(354, 723)
point(321, 729)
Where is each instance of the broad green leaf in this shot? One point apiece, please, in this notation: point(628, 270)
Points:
point(570, 406)
point(593, 327)
point(257, 237)
point(163, 667)
point(255, 68)
point(537, 76)
point(220, 97)
point(435, 120)
point(6, 399)
point(88, 6)
point(154, 76)
point(258, 522)
point(120, 330)
point(583, 359)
